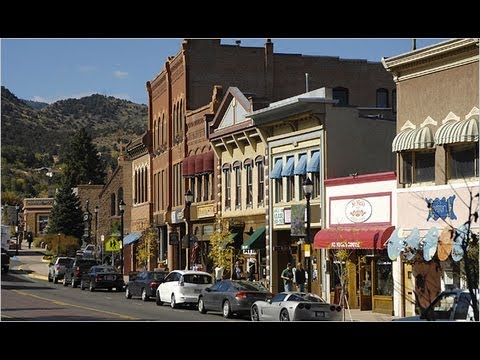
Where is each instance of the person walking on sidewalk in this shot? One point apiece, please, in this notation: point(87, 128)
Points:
point(29, 239)
point(287, 276)
point(300, 277)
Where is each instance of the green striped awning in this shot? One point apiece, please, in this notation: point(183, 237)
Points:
point(411, 139)
point(454, 131)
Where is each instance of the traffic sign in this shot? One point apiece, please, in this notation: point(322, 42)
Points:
point(112, 244)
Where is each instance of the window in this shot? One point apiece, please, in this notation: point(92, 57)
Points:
point(340, 94)
point(279, 297)
point(260, 180)
point(113, 207)
point(120, 196)
point(249, 174)
point(383, 277)
point(238, 186)
point(463, 161)
point(192, 187)
point(278, 190)
point(42, 223)
point(394, 100)
point(206, 187)
point(417, 167)
point(199, 189)
point(382, 98)
point(228, 186)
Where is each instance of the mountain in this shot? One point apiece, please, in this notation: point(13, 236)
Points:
point(35, 104)
point(32, 133)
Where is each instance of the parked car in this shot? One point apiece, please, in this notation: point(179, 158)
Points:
point(449, 305)
point(5, 260)
point(144, 284)
point(295, 306)
point(89, 252)
point(231, 297)
point(182, 287)
point(74, 273)
point(102, 277)
point(56, 271)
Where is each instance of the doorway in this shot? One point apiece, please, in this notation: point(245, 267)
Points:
point(408, 295)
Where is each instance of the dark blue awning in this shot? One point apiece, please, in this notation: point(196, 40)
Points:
point(314, 163)
point(276, 172)
point(301, 168)
point(289, 168)
point(132, 237)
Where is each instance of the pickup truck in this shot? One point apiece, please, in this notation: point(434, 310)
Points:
point(450, 305)
point(74, 272)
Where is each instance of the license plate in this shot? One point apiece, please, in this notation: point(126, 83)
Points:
point(110, 277)
point(320, 314)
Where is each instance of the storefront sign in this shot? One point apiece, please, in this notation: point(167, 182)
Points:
point(205, 211)
point(250, 252)
point(441, 208)
point(177, 216)
point(345, 245)
point(358, 210)
point(278, 216)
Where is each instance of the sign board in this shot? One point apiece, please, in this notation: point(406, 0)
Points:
point(278, 216)
point(306, 249)
point(112, 244)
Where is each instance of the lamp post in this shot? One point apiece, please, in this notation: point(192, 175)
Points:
point(188, 202)
point(307, 190)
point(58, 244)
point(17, 207)
point(121, 206)
point(96, 230)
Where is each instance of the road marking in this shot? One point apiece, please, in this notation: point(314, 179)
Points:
point(74, 305)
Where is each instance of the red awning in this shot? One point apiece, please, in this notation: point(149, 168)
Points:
point(208, 162)
point(352, 238)
point(186, 166)
point(199, 163)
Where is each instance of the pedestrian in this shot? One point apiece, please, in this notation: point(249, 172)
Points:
point(219, 273)
point(287, 276)
point(251, 270)
point(300, 277)
point(237, 271)
point(29, 239)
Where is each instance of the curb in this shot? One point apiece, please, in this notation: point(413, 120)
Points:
point(36, 276)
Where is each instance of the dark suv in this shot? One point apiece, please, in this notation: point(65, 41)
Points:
point(74, 273)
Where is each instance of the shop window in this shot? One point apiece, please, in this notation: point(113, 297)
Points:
point(463, 161)
point(417, 167)
point(383, 277)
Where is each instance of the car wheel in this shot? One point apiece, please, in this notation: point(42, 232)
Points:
point(145, 297)
point(173, 303)
point(91, 287)
point(49, 278)
point(157, 299)
point(55, 280)
point(65, 281)
point(128, 295)
point(74, 284)
point(201, 306)
point(82, 285)
point(254, 315)
point(284, 315)
point(227, 311)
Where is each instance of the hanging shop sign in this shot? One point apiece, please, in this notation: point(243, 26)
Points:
point(440, 208)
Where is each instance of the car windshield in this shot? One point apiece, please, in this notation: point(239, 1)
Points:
point(305, 297)
point(158, 276)
point(64, 261)
point(197, 279)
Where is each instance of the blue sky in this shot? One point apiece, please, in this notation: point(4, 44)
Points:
point(48, 70)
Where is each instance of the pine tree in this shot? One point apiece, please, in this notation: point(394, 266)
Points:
point(66, 214)
point(83, 165)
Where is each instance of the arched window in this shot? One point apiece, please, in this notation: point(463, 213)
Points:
point(260, 180)
point(120, 196)
point(382, 98)
point(341, 94)
point(113, 205)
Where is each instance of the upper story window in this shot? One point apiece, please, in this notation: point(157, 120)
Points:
point(113, 205)
point(463, 161)
point(382, 98)
point(227, 176)
point(340, 94)
point(238, 184)
point(288, 173)
point(417, 167)
point(260, 180)
point(249, 182)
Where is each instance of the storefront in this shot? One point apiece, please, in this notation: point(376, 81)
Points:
point(360, 219)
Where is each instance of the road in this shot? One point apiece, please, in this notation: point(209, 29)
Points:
point(26, 299)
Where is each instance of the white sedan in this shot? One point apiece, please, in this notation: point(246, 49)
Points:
point(182, 287)
point(295, 306)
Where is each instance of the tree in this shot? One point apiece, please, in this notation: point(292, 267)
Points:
point(221, 249)
point(146, 247)
point(66, 214)
point(83, 165)
point(340, 259)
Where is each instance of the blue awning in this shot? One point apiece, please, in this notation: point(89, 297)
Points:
point(314, 163)
point(289, 168)
point(276, 172)
point(301, 168)
point(131, 238)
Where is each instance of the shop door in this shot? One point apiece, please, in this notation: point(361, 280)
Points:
point(366, 285)
point(409, 296)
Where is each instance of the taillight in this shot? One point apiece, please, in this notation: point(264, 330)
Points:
point(332, 307)
point(307, 306)
point(338, 308)
point(153, 284)
point(241, 295)
point(99, 277)
point(301, 306)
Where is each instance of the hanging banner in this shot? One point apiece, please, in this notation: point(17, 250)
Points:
point(298, 220)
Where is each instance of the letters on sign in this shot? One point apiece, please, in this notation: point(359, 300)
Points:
point(441, 208)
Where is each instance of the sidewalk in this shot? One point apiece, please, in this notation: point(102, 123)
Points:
point(358, 315)
point(30, 261)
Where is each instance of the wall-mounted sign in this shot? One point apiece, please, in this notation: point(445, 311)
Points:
point(358, 210)
point(177, 216)
point(205, 211)
point(278, 216)
point(441, 208)
point(345, 245)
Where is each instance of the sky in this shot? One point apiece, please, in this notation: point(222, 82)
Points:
point(48, 70)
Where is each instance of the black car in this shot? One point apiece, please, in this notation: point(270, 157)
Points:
point(102, 277)
point(231, 296)
point(144, 284)
point(74, 273)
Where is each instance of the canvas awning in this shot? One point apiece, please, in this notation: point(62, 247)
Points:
point(354, 238)
point(314, 163)
point(256, 240)
point(457, 132)
point(131, 238)
point(301, 168)
point(289, 168)
point(276, 172)
point(412, 139)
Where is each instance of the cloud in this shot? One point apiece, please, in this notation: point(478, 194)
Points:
point(120, 74)
point(87, 68)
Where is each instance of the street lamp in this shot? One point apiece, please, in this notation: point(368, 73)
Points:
point(307, 190)
point(17, 207)
point(121, 206)
point(188, 202)
point(96, 230)
point(58, 244)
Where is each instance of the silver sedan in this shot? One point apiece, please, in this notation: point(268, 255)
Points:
point(295, 306)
